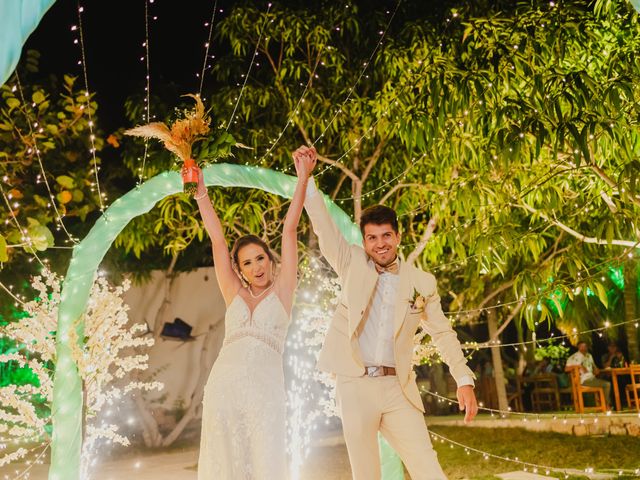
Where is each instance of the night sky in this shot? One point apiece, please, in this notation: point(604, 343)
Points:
point(114, 32)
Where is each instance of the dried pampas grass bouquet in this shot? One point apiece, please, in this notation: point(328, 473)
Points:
point(179, 138)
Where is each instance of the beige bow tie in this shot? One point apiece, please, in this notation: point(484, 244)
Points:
point(393, 267)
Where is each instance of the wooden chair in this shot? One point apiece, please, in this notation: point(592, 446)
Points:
point(633, 389)
point(579, 390)
point(545, 393)
point(568, 393)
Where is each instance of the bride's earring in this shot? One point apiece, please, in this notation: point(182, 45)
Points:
point(243, 279)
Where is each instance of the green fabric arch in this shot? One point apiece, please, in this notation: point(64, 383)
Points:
point(18, 19)
point(67, 389)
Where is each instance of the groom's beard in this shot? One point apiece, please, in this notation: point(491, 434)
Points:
point(385, 265)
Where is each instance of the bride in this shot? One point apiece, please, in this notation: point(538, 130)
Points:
point(243, 421)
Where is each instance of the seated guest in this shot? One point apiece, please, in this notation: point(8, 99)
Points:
point(614, 357)
point(543, 366)
point(589, 370)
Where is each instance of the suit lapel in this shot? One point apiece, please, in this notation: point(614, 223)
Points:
point(367, 284)
point(403, 296)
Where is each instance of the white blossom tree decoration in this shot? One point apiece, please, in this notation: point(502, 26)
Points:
point(110, 350)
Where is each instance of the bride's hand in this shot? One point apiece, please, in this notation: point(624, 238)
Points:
point(304, 159)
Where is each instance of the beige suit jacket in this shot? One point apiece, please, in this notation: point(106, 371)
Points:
point(340, 352)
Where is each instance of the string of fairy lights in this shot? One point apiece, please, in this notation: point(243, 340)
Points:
point(207, 45)
point(340, 108)
point(414, 161)
point(253, 59)
point(39, 460)
point(582, 280)
point(87, 108)
point(526, 466)
point(25, 237)
point(295, 342)
point(17, 300)
point(402, 175)
point(575, 333)
point(294, 112)
point(36, 150)
point(537, 417)
point(147, 89)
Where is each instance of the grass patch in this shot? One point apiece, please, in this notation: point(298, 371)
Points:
point(542, 448)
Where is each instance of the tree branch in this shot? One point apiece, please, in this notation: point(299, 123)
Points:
point(609, 181)
point(340, 166)
point(506, 322)
point(395, 188)
point(426, 235)
point(371, 161)
point(574, 233)
point(336, 190)
point(356, 188)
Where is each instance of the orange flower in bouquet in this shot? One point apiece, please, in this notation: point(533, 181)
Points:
point(179, 138)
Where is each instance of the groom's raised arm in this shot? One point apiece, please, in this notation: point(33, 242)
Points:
point(333, 245)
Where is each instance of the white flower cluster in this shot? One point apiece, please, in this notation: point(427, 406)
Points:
point(110, 350)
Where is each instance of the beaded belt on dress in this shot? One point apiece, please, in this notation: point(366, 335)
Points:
point(270, 341)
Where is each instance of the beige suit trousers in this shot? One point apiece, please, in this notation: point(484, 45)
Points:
point(369, 405)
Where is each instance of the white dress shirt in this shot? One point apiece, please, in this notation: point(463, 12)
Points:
point(585, 361)
point(376, 337)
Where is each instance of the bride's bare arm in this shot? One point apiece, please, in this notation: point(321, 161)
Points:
point(289, 270)
point(227, 279)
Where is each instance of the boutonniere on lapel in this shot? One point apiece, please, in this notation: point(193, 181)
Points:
point(417, 302)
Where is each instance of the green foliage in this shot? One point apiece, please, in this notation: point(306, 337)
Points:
point(506, 120)
point(555, 353)
point(44, 124)
point(526, 114)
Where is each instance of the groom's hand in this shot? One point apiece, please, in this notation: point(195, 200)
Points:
point(467, 402)
point(304, 159)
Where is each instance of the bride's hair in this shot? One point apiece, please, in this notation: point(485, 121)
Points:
point(249, 240)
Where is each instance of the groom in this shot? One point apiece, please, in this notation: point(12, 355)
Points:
point(369, 343)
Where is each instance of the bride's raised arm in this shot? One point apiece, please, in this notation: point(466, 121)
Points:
point(289, 268)
point(227, 279)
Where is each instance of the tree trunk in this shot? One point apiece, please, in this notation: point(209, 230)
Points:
point(630, 310)
point(198, 393)
point(168, 281)
point(522, 357)
point(496, 359)
point(150, 429)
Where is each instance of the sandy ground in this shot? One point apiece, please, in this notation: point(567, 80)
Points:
point(327, 461)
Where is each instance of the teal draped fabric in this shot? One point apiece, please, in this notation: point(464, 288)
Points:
point(87, 255)
point(18, 19)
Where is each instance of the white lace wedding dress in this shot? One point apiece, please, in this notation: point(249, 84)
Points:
point(243, 420)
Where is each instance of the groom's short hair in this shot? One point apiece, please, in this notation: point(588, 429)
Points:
point(379, 215)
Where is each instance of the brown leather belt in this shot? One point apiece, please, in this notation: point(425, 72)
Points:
point(379, 371)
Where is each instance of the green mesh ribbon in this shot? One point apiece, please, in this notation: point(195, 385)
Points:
point(87, 255)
